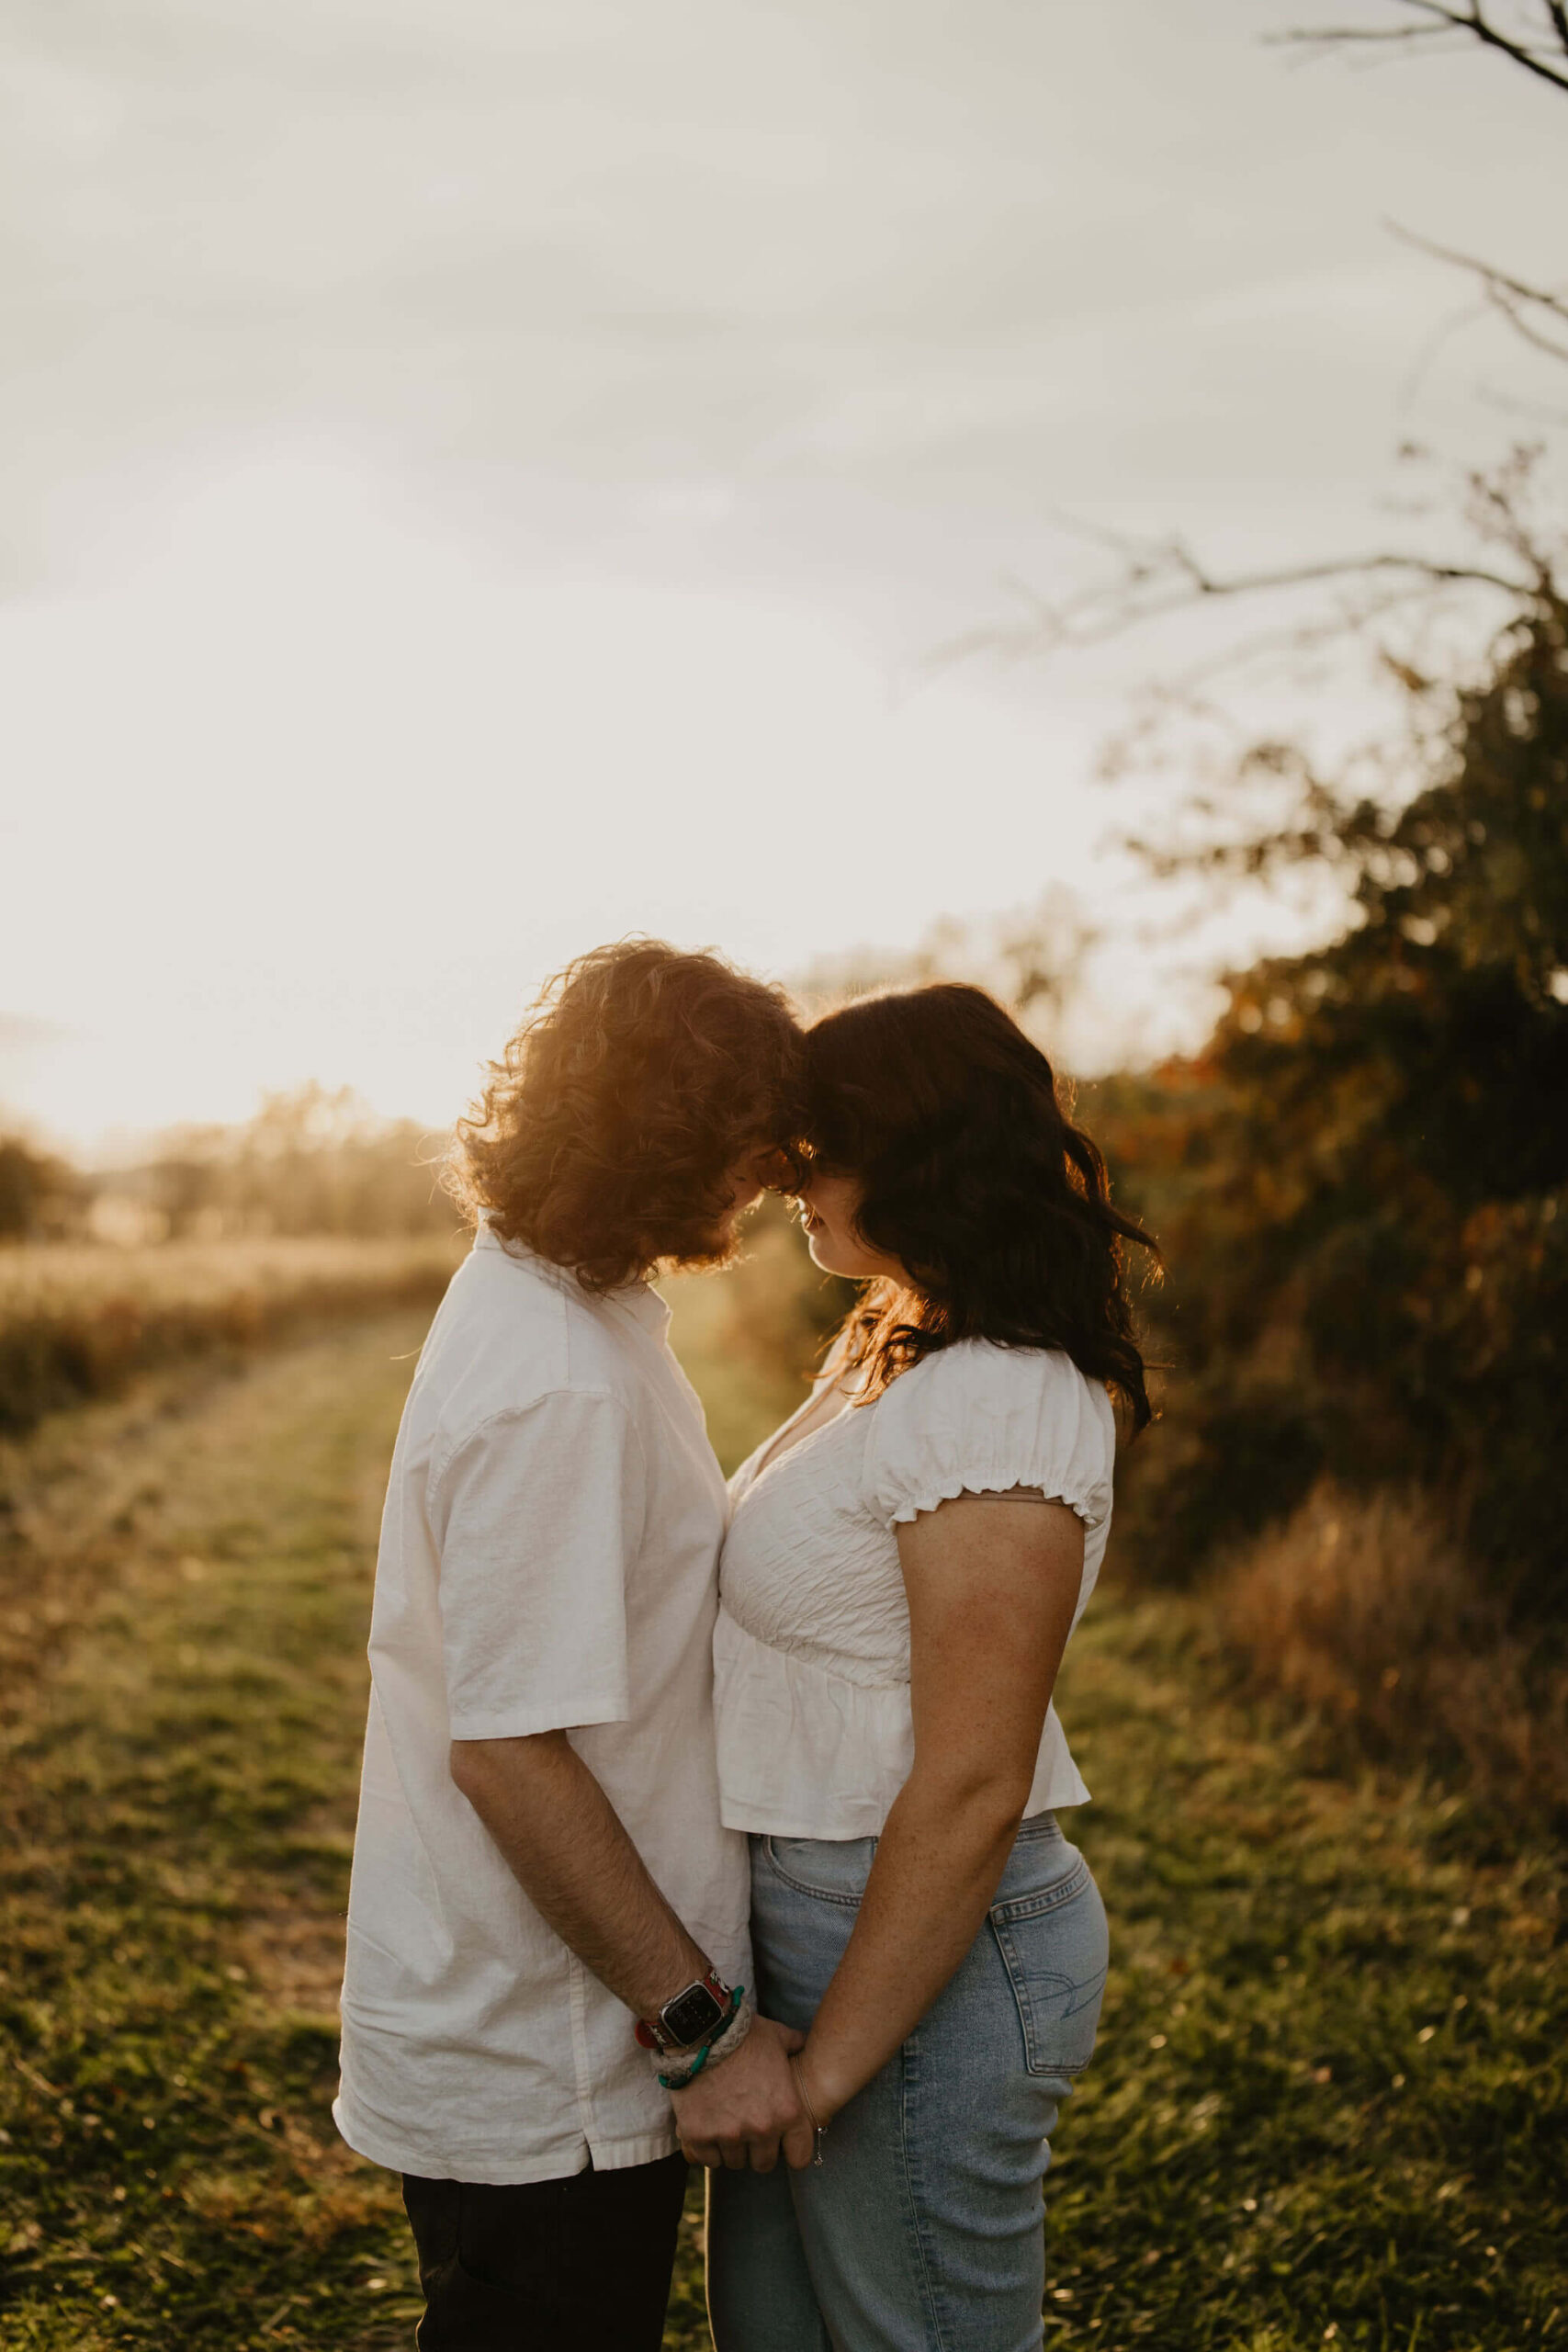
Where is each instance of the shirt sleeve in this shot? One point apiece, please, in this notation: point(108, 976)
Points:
point(980, 1419)
point(538, 1516)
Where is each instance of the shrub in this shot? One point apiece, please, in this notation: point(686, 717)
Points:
point(1364, 1611)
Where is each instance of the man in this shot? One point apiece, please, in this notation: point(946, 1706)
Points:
point(539, 1863)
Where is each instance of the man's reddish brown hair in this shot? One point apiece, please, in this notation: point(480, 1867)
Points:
point(606, 1137)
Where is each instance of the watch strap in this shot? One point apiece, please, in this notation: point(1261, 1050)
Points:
point(655, 2033)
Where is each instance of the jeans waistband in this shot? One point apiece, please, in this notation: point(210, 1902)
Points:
point(1041, 1824)
point(837, 1869)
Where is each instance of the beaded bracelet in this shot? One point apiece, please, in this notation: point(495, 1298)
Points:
point(719, 2045)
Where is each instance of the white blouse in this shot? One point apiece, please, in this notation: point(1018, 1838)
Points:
point(811, 1651)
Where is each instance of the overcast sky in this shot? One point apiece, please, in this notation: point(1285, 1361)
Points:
point(477, 476)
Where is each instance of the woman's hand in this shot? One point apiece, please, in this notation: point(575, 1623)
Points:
point(737, 2113)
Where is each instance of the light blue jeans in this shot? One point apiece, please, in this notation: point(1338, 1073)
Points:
point(920, 2232)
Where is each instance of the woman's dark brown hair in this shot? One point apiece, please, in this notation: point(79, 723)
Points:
point(609, 1130)
point(976, 1181)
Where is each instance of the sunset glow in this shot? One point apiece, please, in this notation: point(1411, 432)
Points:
point(484, 481)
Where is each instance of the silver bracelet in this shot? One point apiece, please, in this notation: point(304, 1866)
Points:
point(818, 2130)
point(668, 2069)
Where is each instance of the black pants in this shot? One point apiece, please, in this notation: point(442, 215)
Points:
point(581, 2265)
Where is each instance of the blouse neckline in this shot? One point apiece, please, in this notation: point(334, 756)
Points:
point(775, 1450)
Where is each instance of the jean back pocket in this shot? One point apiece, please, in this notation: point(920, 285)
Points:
point(1055, 1949)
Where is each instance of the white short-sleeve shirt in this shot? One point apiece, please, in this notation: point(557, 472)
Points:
point(548, 1561)
point(811, 1650)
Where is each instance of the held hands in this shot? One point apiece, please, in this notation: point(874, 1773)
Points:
point(739, 2113)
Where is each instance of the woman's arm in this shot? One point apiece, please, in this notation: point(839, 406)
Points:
point(991, 1590)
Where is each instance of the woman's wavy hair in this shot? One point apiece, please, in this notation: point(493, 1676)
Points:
point(605, 1136)
point(975, 1179)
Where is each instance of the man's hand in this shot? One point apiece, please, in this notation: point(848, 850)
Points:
point(738, 2114)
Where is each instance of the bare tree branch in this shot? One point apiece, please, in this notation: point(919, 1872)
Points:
point(1440, 21)
point(1523, 412)
point(1527, 331)
point(1203, 584)
point(1357, 36)
point(1161, 579)
point(1519, 305)
point(1496, 281)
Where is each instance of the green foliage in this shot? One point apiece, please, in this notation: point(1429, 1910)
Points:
point(1362, 1186)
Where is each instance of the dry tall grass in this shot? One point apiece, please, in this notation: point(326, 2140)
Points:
point(79, 1320)
point(1362, 1610)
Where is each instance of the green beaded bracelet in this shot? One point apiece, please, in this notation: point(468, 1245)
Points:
point(736, 1996)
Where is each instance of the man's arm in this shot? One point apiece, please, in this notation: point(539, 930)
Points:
point(563, 1840)
point(566, 1846)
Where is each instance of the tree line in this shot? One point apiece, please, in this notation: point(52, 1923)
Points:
point(315, 1161)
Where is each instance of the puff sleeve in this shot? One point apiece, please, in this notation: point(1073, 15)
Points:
point(978, 1419)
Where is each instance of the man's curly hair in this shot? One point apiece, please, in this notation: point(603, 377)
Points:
point(606, 1136)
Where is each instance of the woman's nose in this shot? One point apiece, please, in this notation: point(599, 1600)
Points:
point(775, 1168)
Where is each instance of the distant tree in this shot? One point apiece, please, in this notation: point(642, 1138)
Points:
point(42, 1198)
point(313, 1161)
point(1034, 961)
point(1364, 1178)
point(1362, 1182)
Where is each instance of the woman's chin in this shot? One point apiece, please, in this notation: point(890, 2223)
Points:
point(822, 1253)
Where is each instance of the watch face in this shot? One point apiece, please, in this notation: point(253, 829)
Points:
point(691, 2015)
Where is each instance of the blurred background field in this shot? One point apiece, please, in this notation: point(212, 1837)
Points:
point(78, 1321)
point(1358, 1181)
point(1321, 1699)
point(380, 629)
point(1313, 977)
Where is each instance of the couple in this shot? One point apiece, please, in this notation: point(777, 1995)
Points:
point(751, 1861)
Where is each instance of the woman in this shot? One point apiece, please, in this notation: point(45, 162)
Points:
point(906, 1560)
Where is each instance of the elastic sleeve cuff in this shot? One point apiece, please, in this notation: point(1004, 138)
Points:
point(946, 1490)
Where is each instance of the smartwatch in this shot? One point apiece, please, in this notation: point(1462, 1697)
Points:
point(689, 2017)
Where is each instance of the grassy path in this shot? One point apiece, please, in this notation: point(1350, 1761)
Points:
point(1329, 2107)
point(179, 1808)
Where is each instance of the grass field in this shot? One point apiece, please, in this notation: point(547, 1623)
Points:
point(81, 1321)
point(1329, 2103)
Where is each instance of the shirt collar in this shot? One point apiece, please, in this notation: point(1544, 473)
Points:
point(643, 1303)
point(639, 1300)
